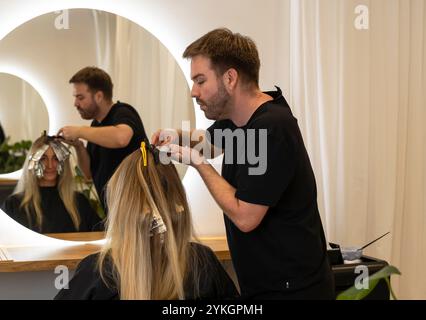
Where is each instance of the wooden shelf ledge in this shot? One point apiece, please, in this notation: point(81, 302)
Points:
point(45, 258)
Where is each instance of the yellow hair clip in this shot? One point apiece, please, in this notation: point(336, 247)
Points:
point(143, 149)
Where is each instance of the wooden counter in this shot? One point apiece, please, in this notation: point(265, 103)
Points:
point(77, 236)
point(6, 188)
point(8, 182)
point(42, 258)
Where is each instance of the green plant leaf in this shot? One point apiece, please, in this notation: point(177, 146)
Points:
point(100, 211)
point(13, 156)
point(357, 294)
point(86, 193)
point(78, 172)
point(96, 205)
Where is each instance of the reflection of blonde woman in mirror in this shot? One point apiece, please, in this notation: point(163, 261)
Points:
point(148, 252)
point(45, 199)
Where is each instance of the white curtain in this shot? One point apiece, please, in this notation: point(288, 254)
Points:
point(359, 96)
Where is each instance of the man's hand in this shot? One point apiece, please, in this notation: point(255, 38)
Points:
point(165, 136)
point(186, 155)
point(70, 133)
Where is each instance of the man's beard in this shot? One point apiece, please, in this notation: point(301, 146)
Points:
point(89, 113)
point(215, 108)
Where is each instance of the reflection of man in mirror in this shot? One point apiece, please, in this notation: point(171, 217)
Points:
point(115, 132)
point(273, 225)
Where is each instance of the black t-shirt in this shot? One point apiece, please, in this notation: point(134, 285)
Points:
point(287, 251)
point(104, 161)
point(87, 284)
point(56, 218)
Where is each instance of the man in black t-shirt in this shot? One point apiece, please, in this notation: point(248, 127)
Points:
point(267, 190)
point(115, 132)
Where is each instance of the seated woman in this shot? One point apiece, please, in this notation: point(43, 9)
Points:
point(44, 199)
point(148, 252)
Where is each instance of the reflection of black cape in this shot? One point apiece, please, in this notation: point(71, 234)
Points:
point(213, 281)
point(2, 136)
point(55, 217)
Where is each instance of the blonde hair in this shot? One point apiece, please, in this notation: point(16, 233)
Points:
point(144, 266)
point(28, 185)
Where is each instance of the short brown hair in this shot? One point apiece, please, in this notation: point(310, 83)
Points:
point(96, 79)
point(228, 50)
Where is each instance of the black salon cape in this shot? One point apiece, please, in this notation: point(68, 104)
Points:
point(87, 284)
point(56, 218)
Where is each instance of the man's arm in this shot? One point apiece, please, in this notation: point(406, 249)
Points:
point(113, 137)
point(246, 216)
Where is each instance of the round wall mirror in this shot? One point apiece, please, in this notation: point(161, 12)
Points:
point(52, 47)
